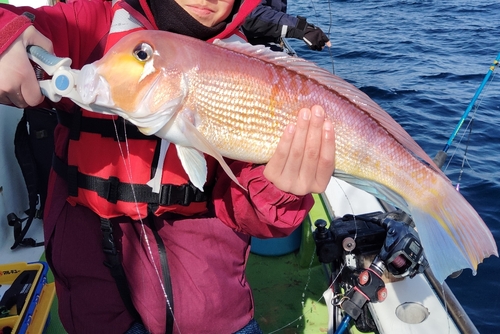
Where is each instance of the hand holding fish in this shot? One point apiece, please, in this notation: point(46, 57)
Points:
point(22, 88)
point(305, 156)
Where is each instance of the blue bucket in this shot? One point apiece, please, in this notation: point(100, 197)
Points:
point(277, 246)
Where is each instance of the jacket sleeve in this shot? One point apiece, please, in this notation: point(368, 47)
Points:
point(75, 29)
point(261, 209)
point(12, 26)
point(268, 19)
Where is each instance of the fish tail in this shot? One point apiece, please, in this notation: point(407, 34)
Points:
point(460, 239)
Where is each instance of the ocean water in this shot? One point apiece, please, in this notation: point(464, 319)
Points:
point(423, 61)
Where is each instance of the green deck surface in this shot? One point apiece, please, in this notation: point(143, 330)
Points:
point(280, 286)
point(288, 289)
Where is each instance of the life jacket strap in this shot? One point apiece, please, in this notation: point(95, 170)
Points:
point(167, 280)
point(113, 262)
point(114, 190)
point(118, 129)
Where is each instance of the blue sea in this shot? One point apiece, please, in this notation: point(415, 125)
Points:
point(423, 61)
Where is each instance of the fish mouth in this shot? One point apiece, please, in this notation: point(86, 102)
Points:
point(94, 89)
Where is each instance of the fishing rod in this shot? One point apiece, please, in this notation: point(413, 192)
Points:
point(440, 157)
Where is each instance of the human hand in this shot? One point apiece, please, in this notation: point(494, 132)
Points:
point(315, 38)
point(304, 160)
point(18, 84)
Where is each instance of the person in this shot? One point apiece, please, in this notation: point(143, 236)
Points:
point(125, 259)
point(269, 22)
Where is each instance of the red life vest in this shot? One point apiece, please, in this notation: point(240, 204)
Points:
point(109, 175)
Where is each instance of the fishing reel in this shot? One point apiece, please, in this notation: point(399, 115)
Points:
point(387, 235)
point(402, 252)
point(366, 246)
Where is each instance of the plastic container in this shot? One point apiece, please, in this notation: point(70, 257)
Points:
point(41, 316)
point(19, 320)
point(277, 246)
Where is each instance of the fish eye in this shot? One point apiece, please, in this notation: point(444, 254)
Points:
point(143, 52)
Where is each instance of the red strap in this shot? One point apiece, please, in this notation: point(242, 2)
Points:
point(148, 13)
point(10, 32)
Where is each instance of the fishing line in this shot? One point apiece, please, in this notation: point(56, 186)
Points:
point(308, 278)
point(338, 273)
point(128, 168)
point(312, 307)
point(464, 158)
point(328, 33)
point(330, 18)
point(349, 203)
point(445, 302)
point(468, 130)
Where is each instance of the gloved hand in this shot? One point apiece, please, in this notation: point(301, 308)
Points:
point(313, 36)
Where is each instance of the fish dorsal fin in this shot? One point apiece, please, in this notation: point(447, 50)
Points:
point(335, 84)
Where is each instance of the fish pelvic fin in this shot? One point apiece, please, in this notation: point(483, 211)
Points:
point(194, 164)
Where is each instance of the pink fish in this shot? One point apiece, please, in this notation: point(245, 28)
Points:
point(234, 100)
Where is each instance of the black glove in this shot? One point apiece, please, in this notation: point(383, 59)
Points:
point(313, 36)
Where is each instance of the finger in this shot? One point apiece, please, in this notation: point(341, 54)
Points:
point(326, 162)
point(30, 88)
point(295, 157)
point(34, 37)
point(278, 160)
point(312, 146)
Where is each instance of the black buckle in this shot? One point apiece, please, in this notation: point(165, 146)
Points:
point(110, 189)
point(108, 241)
point(171, 194)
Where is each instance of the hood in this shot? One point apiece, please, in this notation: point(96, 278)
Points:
point(231, 28)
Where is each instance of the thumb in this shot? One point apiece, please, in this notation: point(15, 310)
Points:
point(31, 36)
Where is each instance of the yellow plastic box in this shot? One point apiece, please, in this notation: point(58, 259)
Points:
point(19, 320)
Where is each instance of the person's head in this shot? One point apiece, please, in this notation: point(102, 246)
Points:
point(207, 12)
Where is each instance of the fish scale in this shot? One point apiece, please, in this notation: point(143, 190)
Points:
point(256, 115)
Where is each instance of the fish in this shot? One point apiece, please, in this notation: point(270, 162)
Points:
point(234, 100)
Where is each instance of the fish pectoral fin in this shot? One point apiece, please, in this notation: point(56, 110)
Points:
point(194, 163)
point(202, 144)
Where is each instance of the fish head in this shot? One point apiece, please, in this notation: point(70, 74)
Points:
point(139, 78)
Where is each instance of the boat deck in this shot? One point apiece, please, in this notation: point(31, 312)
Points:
point(288, 291)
